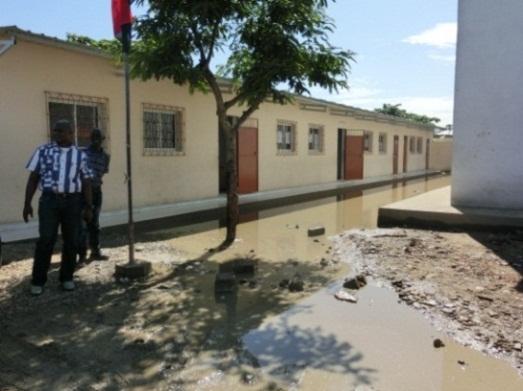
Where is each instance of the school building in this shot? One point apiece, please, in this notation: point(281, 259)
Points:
point(175, 137)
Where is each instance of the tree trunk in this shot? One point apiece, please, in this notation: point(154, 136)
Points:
point(232, 214)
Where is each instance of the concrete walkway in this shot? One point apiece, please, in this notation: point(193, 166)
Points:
point(22, 231)
point(433, 210)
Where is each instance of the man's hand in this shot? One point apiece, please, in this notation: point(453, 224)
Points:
point(28, 211)
point(88, 214)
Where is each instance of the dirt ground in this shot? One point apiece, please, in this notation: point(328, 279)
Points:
point(470, 285)
point(172, 331)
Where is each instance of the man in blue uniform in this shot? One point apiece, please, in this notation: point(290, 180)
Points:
point(98, 162)
point(60, 169)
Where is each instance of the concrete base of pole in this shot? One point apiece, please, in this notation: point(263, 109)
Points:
point(139, 269)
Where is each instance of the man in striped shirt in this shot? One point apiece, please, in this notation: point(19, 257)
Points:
point(61, 171)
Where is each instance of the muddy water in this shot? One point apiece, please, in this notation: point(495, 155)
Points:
point(308, 340)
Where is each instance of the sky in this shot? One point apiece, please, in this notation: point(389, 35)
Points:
point(405, 49)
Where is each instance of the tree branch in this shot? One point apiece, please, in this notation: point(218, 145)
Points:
point(213, 42)
point(246, 114)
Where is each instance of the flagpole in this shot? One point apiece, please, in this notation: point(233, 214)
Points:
point(130, 232)
point(122, 21)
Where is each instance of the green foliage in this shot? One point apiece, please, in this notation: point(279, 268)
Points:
point(271, 43)
point(111, 46)
point(396, 111)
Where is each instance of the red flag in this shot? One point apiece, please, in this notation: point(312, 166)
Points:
point(121, 16)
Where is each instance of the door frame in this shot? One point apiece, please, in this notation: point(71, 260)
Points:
point(405, 153)
point(395, 154)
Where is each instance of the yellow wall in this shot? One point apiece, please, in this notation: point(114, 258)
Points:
point(441, 154)
point(29, 69)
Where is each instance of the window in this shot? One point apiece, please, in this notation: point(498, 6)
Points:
point(412, 144)
point(367, 141)
point(315, 138)
point(419, 147)
point(162, 129)
point(84, 113)
point(382, 141)
point(286, 137)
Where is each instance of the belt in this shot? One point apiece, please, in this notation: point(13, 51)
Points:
point(61, 195)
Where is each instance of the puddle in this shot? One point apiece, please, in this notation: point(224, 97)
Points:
point(177, 333)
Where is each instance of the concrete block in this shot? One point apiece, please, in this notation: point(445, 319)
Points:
point(139, 269)
point(225, 282)
point(316, 230)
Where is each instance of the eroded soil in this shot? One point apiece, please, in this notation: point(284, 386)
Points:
point(470, 285)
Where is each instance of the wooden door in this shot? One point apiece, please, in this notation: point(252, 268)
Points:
point(427, 155)
point(353, 157)
point(395, 155)
point(247, 160)
point(405, 152)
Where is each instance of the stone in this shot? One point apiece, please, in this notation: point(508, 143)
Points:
point(225, 282)
point(324, 262)
point(248, 378)
point(316, 230)
point(244, 266)
point(518, 347)
point(438, 343)
point(296, 285)
point(284, 283)
point(345, 296)
point(356, 282)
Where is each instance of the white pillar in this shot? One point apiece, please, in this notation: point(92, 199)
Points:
point(488, 117)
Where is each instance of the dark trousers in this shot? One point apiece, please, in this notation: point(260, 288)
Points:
point(92, 229)
point(55, 211)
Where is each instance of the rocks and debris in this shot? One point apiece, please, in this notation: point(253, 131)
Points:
point(316, 230)
point(467, 284)
point(248, 378)
point(356, 282)
point(438, 343)
point(296, 285)
point(343, 295)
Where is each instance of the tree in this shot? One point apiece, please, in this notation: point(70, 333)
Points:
point(271, 44)
point(396, 111)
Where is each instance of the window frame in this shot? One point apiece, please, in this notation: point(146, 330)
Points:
point(370, 135)
point(293, 134)
point(321, 139)
point(102, 113)
point(384, 150)
point(178, 132)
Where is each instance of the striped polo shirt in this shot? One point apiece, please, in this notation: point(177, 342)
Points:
point(61, 170)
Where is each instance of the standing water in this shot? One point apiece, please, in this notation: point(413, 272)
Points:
point(264, 334)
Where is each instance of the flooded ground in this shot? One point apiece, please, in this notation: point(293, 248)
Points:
point(175, 332)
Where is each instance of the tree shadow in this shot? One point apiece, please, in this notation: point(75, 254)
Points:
point(122, 335)
point(507, 245)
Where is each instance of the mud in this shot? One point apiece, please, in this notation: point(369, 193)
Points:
point(468, 284)
point(175, 331)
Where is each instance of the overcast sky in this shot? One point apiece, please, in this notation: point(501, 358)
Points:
point(405, 48)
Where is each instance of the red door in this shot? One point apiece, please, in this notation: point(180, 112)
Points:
point(427, 155)
point(247, 160)
point(405, 152)
point(353, 157)
point(395, 155)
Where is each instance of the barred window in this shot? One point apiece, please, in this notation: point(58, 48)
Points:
point(162, 129)
point(316, 138)
point(382, 141)
point(286, 137)
point(367, 141)
point(419, 147)
point(83, 112)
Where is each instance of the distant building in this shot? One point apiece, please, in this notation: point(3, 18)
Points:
point(176, 143)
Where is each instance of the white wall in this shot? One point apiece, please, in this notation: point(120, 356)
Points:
point(488, 158)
